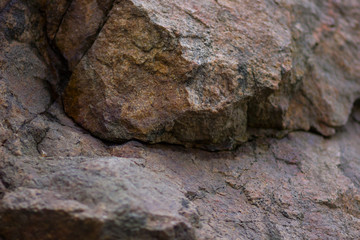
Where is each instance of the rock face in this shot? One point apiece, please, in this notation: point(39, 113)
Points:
point(299, 187)
point(24, 77)
point(200, 72)
point(123, 211)
point(31, 122)
point(210, 74)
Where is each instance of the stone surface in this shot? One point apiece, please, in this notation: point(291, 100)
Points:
point(168, 72)
point(299, 187)
point(54, 14)
point(24, 76)
point(199, 73)
point(79, 27)
point(325, 73)
point(31, 123)
point(127, 209)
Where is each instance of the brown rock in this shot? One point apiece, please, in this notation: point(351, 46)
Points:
point(72, 219)
point(79, 27)
point(24, 76)
point(126, 211)
point(29, 123)
point(197, 73)
point(326, 59)
point(54, 12)
point(180, 73)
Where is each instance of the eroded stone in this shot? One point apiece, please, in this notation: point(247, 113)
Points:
point(198, 73)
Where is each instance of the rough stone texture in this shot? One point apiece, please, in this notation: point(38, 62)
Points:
point(300, 187)
point(79, 27)
point(92, 203)
point(325, 73)
point(200, 72)
point(24, 87)
point(168, 72)
point(31, 123)
point(54, 13)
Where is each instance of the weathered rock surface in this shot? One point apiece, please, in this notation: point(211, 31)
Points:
point(299, 187)
point(79, 27)
point(200, 72)
point(24, 75)
point(31, 123)
point(197, 73)
point(325, 69)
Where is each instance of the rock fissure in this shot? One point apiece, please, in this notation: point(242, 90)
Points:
point(107, 15)
point(51, 41)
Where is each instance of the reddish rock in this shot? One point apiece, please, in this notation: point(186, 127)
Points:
point(198, 73)
point(28, 123)
point(324, 81)
point(180, 73)
point(79, 27)
point(169, 192)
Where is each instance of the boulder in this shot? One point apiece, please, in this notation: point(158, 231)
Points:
point(199, 73)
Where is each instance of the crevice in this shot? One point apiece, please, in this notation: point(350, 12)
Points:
point(327, 204)
point(62, 70)
point(61, 22)
point(217, 2)
point(41, 152)
point(355, 113)
point(4, 186)
point(95, 36)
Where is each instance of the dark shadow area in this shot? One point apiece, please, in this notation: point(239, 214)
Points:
point(350, 165)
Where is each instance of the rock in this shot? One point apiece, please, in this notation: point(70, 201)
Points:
point(79, 27)
point(54, 14)
point(198, 73)
point(125, 211)
point(301, 186)
point(180, 73)
point(53, 134)
point(72, 219)
point(324, 82)
point(24, 76)
point(30, 123)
